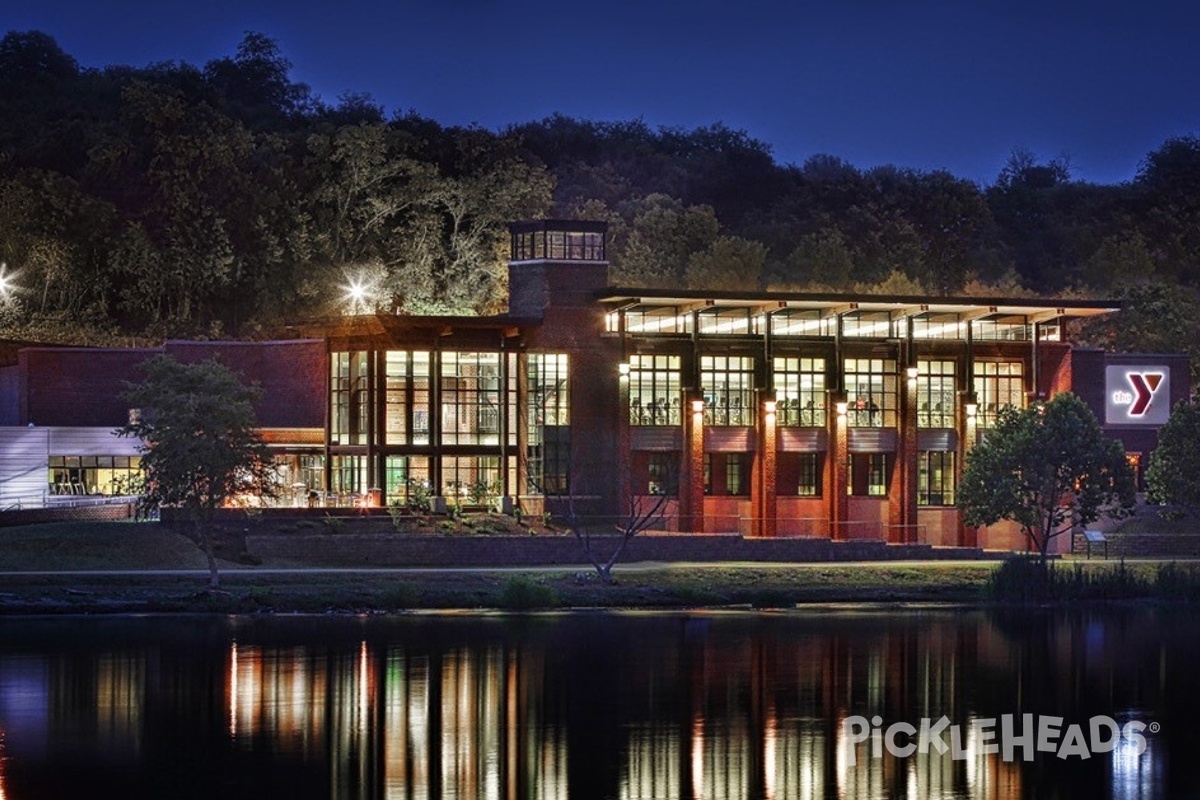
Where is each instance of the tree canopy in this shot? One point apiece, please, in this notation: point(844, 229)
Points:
point(227, 199)
point(1048, 468)
point(1173, 476)
point(199, 446)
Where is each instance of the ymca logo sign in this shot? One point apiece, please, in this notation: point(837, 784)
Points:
point(1137, 395)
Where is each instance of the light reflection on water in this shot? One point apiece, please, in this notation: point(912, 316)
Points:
point(629, 706)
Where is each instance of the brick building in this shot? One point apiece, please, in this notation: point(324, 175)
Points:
point(766, 413)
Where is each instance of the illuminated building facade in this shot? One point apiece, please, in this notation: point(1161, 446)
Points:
point(761, 413)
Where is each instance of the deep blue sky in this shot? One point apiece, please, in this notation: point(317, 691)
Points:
point(929, 85)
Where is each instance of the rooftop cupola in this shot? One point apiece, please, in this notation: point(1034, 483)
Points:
point(556, 261)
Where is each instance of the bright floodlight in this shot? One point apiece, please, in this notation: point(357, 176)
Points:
point(356, 293)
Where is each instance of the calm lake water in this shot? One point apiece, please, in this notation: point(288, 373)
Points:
point(602, 705)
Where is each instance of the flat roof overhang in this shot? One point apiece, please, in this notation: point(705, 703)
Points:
point(404, 328)
point(830, 303)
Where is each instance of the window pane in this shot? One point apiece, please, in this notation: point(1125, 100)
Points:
point(935, 394)
point(728, 386)
point(800, 391)
point(871, 392)
point(654, 390)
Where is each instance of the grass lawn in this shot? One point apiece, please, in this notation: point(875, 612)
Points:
point(150, 546)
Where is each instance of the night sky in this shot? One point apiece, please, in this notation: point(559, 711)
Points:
point(929, 85)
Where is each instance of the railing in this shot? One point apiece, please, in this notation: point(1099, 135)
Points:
point(48, 500)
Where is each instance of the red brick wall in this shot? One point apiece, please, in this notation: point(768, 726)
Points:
point(77, 386)
point(291, 375)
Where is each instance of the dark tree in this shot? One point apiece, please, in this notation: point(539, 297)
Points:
point(1048, 468)
point(200, 450)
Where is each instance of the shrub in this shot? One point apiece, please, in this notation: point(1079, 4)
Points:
point(520, 593)
point(335, 524)
point(1026, 580)
point(399, 596)
point(399, 514)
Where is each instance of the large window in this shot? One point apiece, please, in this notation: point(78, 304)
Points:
point(349, 398)
point(406, 481)
point(800, 391)
point(869, 474)
point(935, 394)
point(654, 390)
point(93, 474)
point(728, 386)
point(558, 245)
point(348, 477)
point(1001, 328)
point(726, 473)
point(799, 474)
point(549, 434)
point(650, 320)
point(802, 323)
point(998, 384)
point(871, 392)
point(935, 478)
point(471, 397)
point(406, 414)
point(871, 324)
point(473, 480)
point(311, 472)
point(661, 473)
point(727, 321)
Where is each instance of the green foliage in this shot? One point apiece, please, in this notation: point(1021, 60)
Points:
point(225, 199)
point(522, 594)
point(1048, 468)
point(1023, 580)
point(730, 263)
point(335, 525)
point(482, 490)
point(400, 515)
point(199, 446)
point(1173, 476)
point(1157, 317)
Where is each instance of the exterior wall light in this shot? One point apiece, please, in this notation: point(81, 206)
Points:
point(912, 373)
point(623, 368)
point(769, 406)
point(972, 409)
point(698, 406)
point(841, 407)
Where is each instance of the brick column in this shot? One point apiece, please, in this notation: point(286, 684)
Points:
point(764, 488)
point(691, 473)
point(624, 449)
point(904, 503)
point(838, 461)
point(968, 536)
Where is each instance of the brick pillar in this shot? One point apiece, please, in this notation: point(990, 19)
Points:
point(764, 489)
point(624, 450)
point(691, 477)
point(903, 503)
point(838, 503)
point(968, 536)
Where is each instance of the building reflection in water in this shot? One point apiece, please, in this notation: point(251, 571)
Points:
point(3, 757)
point(646, 708)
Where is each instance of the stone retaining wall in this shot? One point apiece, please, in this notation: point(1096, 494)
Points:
point(401, 550)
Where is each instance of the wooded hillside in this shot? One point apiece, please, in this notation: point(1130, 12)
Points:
point(224, 200)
